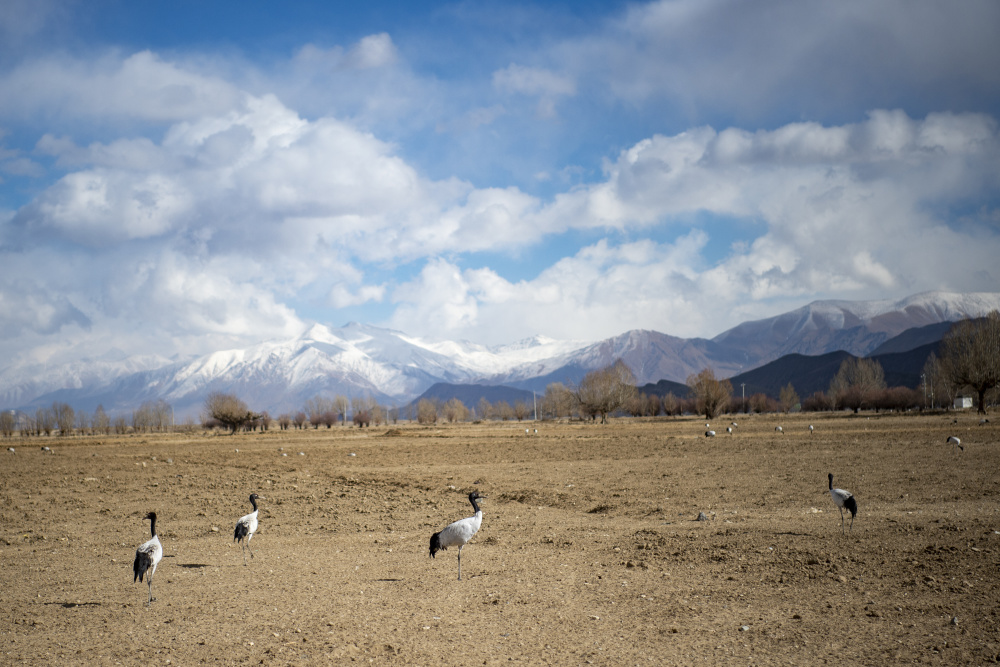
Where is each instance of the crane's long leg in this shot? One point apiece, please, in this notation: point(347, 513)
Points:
point(149, 583)
point(460, 562)
point(841, 519)
point(244, 547)
point(248, 545)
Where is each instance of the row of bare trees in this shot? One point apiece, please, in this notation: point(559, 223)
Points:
point(61, 418)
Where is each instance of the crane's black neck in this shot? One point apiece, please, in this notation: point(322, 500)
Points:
point(830, 476)
point(475, 505)
point(253, 501)
point(152, 524)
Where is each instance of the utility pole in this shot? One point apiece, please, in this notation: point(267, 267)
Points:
point(743, 387)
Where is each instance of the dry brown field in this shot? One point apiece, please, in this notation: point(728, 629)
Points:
point(589, 551)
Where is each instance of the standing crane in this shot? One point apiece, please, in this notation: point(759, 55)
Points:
point(147, 557)
point(246, 527)
point(459, 533)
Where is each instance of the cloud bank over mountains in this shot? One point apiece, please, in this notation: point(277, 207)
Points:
point(180, 201)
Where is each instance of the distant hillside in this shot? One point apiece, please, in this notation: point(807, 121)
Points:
point(664, 387)
point(471, 394)
point(911, 339)
point(807, 375)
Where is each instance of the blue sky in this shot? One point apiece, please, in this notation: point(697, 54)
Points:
point(182, 177)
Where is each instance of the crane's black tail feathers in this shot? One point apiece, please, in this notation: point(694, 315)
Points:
point(241, 531)
point(436, 544)
point(143, 562)
point(851, 505)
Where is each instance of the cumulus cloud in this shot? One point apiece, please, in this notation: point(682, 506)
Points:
point(240, 205)
point(845, 211)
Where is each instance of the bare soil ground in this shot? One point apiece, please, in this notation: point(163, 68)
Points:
point(589, 551)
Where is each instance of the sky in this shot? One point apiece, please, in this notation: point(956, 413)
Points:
point(182, 177)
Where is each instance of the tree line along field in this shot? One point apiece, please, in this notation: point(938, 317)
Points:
point(589, 552)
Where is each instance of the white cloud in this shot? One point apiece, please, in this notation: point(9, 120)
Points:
point(373, 51)
point(141, 86)
point(544, 84)
point(245, 205)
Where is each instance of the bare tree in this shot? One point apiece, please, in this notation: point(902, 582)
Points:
point(484, 410)
point(857, 383)
point(228, 410)
point(64, 417)
point(284, 421)
point(426, 411)
point(521, 410)
point(558, 400)
point(603, 391)
point(671, 406)
point(44, 421)
point(340, 406)
point(8, 420)
point(711, 395)
point(937, 387)
point(761, 403)
point(101, 421)
point(788, 398)
point(317, 407)
point(300, 420)
point(454, 410)
point(82, 422)
point(970, 355)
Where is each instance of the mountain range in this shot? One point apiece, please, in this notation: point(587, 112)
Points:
point(395, 368)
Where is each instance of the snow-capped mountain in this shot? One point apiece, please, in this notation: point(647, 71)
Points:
point(857, 327)
point(393, 367)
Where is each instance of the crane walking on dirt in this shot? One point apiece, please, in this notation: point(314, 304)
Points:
point(843, 499)
point(954, 442)
point(147, 557)
point(246, 527)
point(458, 534)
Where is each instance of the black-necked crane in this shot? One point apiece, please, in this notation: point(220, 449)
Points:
point(810, 429)
point(729, 430)
point(778, 429)
point(709, 434)
point(459, 533)
point(843, 500)
point(954, 442)
point(147, 557)
point(246, 527)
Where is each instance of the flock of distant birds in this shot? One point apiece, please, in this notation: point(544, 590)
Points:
point(455, 534)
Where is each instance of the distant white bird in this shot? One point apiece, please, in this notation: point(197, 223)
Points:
point(246, 527)
point(707, 425)
point(729, 430)
point(11, 450)
point(527, 432)
point(147, 557)
point(843, 499)
point(459, 533)
point(734, 424)
point(984, 421)
point(810, 429)
point(954, 442)
point(536, 431)
point(709, 434)
point(778, 429)
point(46, 449)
